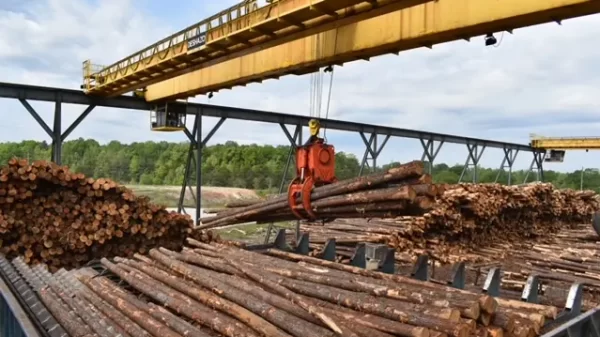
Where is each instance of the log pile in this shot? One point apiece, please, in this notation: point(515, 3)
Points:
point(465, 217)
point(226, 291)
point(52, 215)
point(401, 207)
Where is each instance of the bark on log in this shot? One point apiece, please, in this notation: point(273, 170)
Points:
point(123, 321)
point(173, 322)
point(280, 318)
point(138, 316)
point(52, 215)
point(64, 316)
point(185, 305)
point(406, 171)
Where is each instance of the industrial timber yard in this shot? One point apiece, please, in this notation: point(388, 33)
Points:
point(390, 252)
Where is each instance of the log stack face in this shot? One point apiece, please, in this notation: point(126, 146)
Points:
point(52, 215)
point(218, 290)
point(402, 208)
point(466, 217)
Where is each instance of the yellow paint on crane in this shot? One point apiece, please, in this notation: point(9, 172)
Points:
point(422, 25)
point(566, 143)
point(240, 28)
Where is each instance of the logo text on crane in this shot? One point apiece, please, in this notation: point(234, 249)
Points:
point(197, 41)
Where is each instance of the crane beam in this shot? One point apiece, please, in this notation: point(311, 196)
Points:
point(418, 26)
point(237, 29)
point(566, 143)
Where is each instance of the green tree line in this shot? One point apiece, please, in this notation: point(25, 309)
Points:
point(231, 164)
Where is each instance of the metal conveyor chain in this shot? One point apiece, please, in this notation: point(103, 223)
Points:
point(30, 302)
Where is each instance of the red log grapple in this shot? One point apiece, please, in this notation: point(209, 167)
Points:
point(315, 166)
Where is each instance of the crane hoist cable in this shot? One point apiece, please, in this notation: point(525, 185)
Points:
point(499, 41)
point(328, 101)
point(316, 83)
point(315, 160)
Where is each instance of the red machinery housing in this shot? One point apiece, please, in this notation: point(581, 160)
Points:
point(315, 166)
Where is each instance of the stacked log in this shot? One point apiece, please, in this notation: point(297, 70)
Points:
point(466, 217)
point(399, 190)
point(234, 292)
point(53, 215)
point(218, 290)
point(402, 208)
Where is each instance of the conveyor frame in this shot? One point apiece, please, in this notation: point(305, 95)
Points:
point(570, 323)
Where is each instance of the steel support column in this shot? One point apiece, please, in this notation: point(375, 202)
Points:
point(507, 163)
point(56, 154)
point(56, 134)
point(197, 144)
point(430, 151)
point(472, 160)
point(537, 163)
point(186, 174)
point(295, 140)
point(372, 151)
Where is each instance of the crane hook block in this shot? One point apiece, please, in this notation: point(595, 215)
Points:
point(314, 126)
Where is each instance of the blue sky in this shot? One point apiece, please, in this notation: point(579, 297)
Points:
point(541, 80)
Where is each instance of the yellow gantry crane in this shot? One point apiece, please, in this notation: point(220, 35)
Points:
point(236, 29)
point(558, 145)
point(247, 43)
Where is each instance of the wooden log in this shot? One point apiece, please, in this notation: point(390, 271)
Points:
point(138, 316)
point(174, 322)
point(287, 322)
point(185, 305)
point(72, 219)
point(372, 321)
point(247, 286)
point(403, 193)
point(471, 309)
point(410, 170)
point(388, 309)
point(64, 316)
point(243, 298)
point(487, 304)
point(124, 322)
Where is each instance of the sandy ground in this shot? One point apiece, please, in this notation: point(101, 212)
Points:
point(250, 233)
point(211, 196)
point(191, 212)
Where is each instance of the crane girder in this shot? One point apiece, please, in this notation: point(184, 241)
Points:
point(422, 25)
point(566, 143)
point(239, 29)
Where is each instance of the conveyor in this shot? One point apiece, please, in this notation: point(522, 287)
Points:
point(30, 317)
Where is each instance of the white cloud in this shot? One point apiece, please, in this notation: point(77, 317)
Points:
point(542, 80)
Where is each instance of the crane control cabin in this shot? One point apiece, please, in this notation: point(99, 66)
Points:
point(557, 146)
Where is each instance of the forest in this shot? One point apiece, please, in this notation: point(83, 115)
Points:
point(229, 165)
